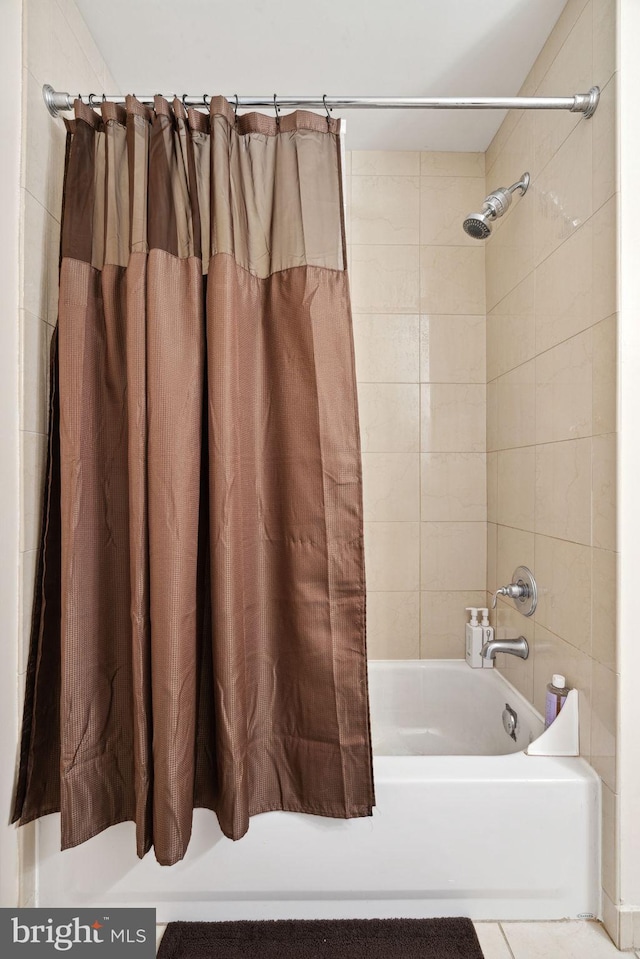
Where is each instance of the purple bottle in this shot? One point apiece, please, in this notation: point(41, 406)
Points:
point(556, 695)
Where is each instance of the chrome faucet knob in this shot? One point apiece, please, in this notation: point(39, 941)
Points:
point(523, 591)
point(513, 591)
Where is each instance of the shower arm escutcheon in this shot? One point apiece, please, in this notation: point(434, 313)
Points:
point(522, 590)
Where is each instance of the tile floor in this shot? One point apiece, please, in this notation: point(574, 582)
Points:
point(546, 940)
point(538, 940)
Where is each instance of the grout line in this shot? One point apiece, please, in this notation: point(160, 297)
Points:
point(504, 936)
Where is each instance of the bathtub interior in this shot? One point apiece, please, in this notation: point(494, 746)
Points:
point(445, 708)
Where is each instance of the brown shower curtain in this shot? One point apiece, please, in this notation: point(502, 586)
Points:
point(199, 626)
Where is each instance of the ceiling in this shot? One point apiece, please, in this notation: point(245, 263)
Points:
point(337, 47)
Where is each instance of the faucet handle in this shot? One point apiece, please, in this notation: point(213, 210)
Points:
point(513, 591)
point(523, 591)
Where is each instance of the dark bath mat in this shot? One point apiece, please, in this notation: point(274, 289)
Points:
point(322, 939)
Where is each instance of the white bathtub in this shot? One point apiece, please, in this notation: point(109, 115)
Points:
point(474, 828)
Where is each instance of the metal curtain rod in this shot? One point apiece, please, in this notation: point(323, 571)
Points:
point(584, 103)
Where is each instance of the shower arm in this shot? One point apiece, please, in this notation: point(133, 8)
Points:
point(585, 103)
point(522, 185)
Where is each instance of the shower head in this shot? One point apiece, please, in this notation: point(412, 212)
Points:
point(478, 225)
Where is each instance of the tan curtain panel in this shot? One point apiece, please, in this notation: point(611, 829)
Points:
point(199, 627)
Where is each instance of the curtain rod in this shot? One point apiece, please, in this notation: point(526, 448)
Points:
point(584, 103)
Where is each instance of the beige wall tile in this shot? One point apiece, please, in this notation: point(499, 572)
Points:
point(443, 619)
point(605, 167)
point(492, 558)
point(603, 723)
point(453, 418)
point(609, 842)
point(454, 486)
point(563, 291)
point(571, 70)
point(511, 331)
point(346, 186)
point(38, 228)
point(492, 487)
point(554, 655)
point(562, 193)
point(563, 490)
point(385, 279)
point(445, 202)
point(38, 27)
point(391, 486)
point(43, 149)
point(563, 574)
point(603, 607)
point(392, 556)
point(454, 556)
point(605, 375)
point(492, 415)
point(604, 41)
point(387, 348)
point(452, 164)
point(452, 279)
point(347, 162)
point(35, 346)
point(385, 163)
point(564, 390)
point(516, 487)
point(32, 459)
point(515, 548)
point(452, 349)
point(517, 407)
point(389, 417)
point(604, 276)
point(385, 209)
point(510, 251)
point(611, 918)
point(393, 625)
point(558, 36)
point(603, 470)
point(495, 148)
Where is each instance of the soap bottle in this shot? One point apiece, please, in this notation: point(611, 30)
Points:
point(556, 695)
point(473, 637)
point(487, 635)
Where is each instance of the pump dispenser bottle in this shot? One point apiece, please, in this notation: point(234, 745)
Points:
point(487, 635)
point(473, 637)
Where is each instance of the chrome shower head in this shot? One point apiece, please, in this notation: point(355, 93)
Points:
point(478, 225)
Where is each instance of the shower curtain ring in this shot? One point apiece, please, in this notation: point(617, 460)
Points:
point(183, 98)
point(91, 96)
point(204, 99)
point(275, 105)
point(324, 100)
point(104, 97)
point(235, 109)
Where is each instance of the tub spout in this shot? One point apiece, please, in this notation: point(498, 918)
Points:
point(516, 647)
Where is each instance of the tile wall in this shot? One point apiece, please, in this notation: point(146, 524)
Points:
point(418, 296)
point(551, 387)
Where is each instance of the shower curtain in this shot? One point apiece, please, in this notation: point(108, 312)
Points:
point(198, 635)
